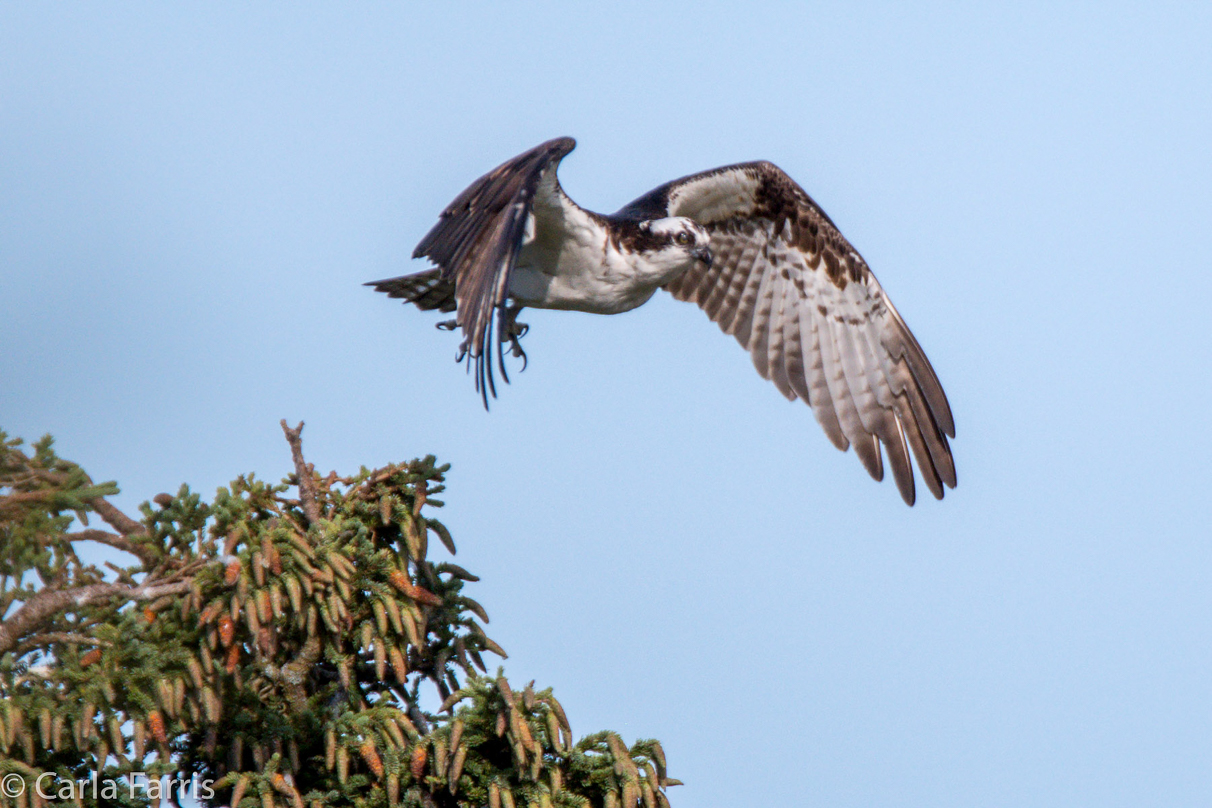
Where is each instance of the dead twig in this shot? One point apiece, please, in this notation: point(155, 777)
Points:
point(304, 471)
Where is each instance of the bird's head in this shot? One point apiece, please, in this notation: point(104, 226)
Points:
point(675, 242)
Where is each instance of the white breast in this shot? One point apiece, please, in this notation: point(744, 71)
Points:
point(574, 266)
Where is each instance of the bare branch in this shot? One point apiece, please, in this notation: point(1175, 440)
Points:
point(58, 636)
point(116, 519)
point(141, 551)
point(307, 483)
point(43, 606)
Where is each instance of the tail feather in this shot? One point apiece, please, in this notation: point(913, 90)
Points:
point(428, 290)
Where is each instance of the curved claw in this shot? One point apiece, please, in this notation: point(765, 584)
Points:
point(513, 331)
point(515, 348)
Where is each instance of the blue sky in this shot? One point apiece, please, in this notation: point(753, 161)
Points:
point(192, 194)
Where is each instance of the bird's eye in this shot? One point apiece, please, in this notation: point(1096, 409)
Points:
point(684, 238)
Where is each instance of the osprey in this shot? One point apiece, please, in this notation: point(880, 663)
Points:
point(745, 243)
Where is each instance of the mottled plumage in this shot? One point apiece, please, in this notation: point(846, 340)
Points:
point(746, 244)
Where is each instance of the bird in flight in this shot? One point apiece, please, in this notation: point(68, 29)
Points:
point(743, 242)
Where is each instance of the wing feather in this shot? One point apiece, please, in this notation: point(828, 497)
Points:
point(898, 458)
point(844, 399)
point(758, 331)
point(913, 435)
point(850, 357)
point(793, 350)
point(720, 304)
point(934, 441)
point(475, 245)
point(818, 385)
point(900, 342)
point(776, 362)
point(426, 289)
point(814, 319)
point(884, 411)
point(743, 293)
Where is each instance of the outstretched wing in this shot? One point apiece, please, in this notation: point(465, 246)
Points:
point(475, 245)
point(813, 317)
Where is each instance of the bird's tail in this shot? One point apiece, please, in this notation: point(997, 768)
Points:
point(428, 290)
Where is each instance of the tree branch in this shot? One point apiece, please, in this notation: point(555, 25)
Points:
point(17, 497)
point(38, 640)
point(294, 674)
point(116, 519)
point(307, 483)
point(141, 551)
point(48, 602)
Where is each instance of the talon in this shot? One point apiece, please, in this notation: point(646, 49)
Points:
point(447, 325)
point(512, 331)
point(515, 350)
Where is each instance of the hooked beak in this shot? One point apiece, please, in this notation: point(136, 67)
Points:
point(703, 254)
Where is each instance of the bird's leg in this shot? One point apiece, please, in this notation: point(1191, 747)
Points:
point(513, 331)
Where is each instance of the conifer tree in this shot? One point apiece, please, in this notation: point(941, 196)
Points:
point(279, 643)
